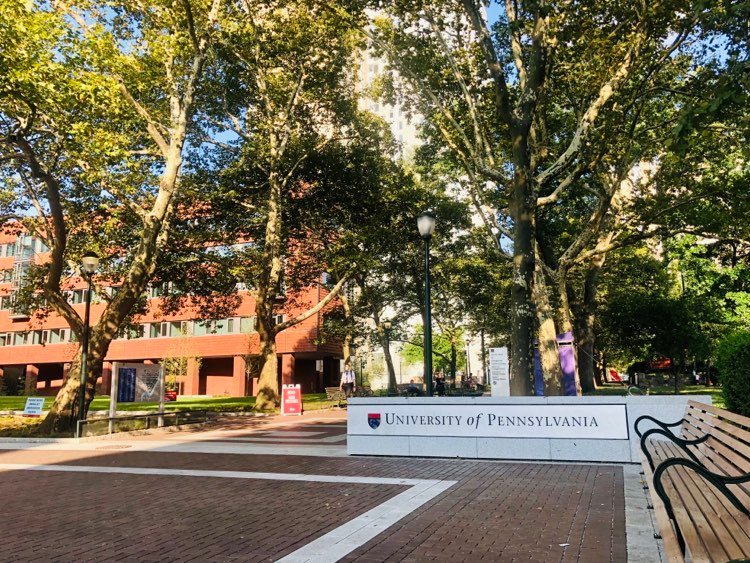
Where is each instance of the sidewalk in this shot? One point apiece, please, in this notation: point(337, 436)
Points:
point(218, 495)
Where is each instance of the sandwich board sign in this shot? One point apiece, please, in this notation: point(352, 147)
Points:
point(291, 400)
point(34, 406)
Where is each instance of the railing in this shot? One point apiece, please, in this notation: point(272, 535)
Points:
point(113, 424)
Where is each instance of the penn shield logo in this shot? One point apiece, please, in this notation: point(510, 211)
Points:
point(373, 419)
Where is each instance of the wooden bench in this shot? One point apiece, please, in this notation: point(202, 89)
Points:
point(335, 394)
point(700, 483)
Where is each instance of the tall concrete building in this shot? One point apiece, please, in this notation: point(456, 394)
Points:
point(404, 127)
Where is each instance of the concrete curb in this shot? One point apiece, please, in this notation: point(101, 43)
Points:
point(639, 523)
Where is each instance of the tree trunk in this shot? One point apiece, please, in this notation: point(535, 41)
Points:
point(453, 360)
point(348, 322)
point(384, 340)
point(548, 351)
point(566, 319)
point(62, 416)
point(522, 306)
point(268, 381)
point(268, 283)
point(386, 344)
point(585, 325)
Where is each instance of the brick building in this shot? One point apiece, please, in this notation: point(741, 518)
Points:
point(37, 354)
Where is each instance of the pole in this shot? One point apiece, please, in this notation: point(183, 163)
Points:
point(427, 320)
point(161, 397)
point(84, 354)
point(113, 398)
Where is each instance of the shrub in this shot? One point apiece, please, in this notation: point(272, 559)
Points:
point(733, 361)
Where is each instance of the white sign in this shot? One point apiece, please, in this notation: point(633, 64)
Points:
point(34, 406)
point(600, 422)
point(499, 372)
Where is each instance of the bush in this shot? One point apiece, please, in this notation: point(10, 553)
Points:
point(733, 361)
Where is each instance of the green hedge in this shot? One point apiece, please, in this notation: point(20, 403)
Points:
point(733, 362)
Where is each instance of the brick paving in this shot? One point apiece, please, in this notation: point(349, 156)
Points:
point(495, 512)
point(155, 518)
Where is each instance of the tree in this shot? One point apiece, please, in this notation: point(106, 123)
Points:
point(300, 172)
point(523, 141)
point(95, 114)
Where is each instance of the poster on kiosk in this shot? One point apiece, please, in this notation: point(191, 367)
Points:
point(291, 400)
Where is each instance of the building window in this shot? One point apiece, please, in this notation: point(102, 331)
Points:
point(6, 302)
point(58, 335)
point(278, 319)
point(8, 249)
point(77, 296)
point(20, 338)
point(220, 326)
point(247, 325)
point(154, 330)
point(160, 289)
point(7, 276)
point(178, 328)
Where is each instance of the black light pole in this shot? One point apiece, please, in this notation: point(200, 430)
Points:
point(426, 226)
point(89, 263)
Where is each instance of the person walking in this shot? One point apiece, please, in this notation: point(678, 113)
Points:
point(347, 384)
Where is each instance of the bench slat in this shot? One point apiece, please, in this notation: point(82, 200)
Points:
point(720, 459)
point(668, 536)
point(736, 418)
point(726, 522)
point(724, 427)
point(713, 528)
point(688, 529)
point(740, 456)
point(716, 465)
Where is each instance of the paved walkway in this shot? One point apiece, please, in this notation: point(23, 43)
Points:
point(266, 489)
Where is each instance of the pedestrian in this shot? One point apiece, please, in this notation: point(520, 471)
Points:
point(347, 384)
point(440, 385)
point(413, 390)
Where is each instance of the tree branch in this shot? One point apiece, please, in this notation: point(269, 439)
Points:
point(318, 307)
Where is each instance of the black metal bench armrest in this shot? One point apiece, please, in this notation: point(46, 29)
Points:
point(683, 444)
point(718, 481)
point(664, 425)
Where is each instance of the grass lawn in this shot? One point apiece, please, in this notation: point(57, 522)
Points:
point(620, 390)
point(19, 426)
point(219, 404)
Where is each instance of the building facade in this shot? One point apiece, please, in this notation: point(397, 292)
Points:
point(217, 356)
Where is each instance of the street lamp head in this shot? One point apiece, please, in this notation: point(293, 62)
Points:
point(426, 224)
point(89, 263)
point(387, 325)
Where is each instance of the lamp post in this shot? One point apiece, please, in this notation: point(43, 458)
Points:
point(89, 264)
point(426, 226)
